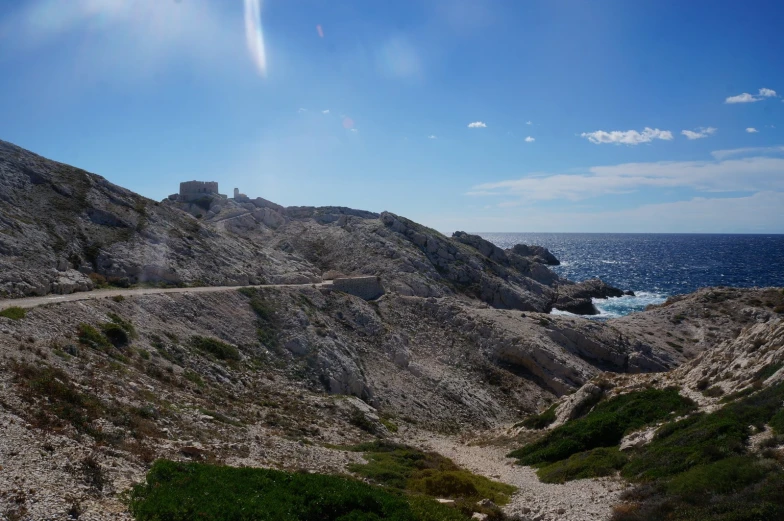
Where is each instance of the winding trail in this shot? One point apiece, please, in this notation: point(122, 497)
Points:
point(579, 500)
point(31, 302)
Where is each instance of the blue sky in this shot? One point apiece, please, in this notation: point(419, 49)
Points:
point(550, 115)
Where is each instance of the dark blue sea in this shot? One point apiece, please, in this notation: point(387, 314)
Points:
point(656, 266)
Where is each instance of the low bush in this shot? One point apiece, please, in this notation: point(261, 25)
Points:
point(267, 325)
point(115, 334)
point(215, 347)
point(64, 403)
point(605, 425)
point(542, 420)
point(705, 438)
point(14, 313)
point(405, 468)
point(126, 325)
point(603, 461)
point(180, 491)
point(91, 337)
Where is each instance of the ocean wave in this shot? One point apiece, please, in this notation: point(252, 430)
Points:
point(614, 307)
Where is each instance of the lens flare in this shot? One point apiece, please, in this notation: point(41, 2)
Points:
point(254, 35)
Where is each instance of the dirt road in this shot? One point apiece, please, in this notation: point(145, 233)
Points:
point(31, 302)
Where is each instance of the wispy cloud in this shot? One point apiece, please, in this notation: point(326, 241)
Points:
point(628, 137)
point(477, 124)
point(120, 41)
point(432, 136)
point(254, 35)
point(752, 130)
point(301, 110)
point(756, 213)
point(747, 151)
point(325, 111)
point(741, 174)
point(529, 122)
point(699, 133)
point(751, 98)
point(529, 139)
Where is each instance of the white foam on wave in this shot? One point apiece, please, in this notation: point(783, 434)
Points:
point(614, 307)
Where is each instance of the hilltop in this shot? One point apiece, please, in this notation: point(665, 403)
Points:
point(460, 347)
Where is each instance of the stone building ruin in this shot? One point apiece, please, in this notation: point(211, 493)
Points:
point(191, 191)
point(367, 288)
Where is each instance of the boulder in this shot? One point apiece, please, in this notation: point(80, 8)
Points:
point(577, 404)
point(539, 253)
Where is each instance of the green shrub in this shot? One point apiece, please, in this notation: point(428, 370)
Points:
point(603, 461)
point(720, 477)
point(713, 392)
point(125, 324)
point(777, 422)
point(115, 334)
point(605, 425)
point(406, 468)
point(768, 371)
point(183, 491)
point(215, 347)
point(90, 336)
point(389, 424)
point(542, 420)
point(64, 402)
point(738, 493)
point(14, 313)
point(267, 325)
point(705, 438)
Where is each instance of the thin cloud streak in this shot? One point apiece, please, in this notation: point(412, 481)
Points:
point(254, 35)
point(748, 174)
point(477, 124)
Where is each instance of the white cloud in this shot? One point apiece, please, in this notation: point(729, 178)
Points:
point(477, 124)
point(529, 122)
point(629, 137)
point(751, 98)
point(529, 139)
point(432, 136)
point(301, 110)
point(752, 130)
point(743, 98)
point(699, 133)
point(354, 130)
point(325, 111)
point(740, 174)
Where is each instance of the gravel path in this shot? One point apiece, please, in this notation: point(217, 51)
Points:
point(31, 302)
point(581, 500)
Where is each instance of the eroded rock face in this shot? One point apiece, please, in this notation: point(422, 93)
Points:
point(538, 253)
point(577, 404)
point(578, 297)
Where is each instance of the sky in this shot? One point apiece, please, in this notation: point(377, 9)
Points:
point(475, 115)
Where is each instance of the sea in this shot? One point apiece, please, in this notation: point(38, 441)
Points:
point(656, 266)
